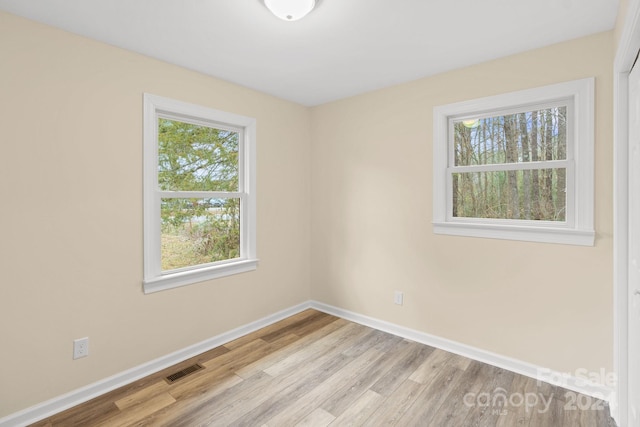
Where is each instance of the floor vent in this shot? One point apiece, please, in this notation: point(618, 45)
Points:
point(183, 373)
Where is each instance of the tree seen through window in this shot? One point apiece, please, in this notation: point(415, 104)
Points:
point(529, 187)
point(198, 158)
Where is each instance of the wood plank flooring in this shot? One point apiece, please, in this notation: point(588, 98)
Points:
point(313, 369)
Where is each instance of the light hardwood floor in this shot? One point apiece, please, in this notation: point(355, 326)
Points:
point(313, 369)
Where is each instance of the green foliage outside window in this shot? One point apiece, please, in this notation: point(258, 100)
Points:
point(529, 193)
point(198, 158)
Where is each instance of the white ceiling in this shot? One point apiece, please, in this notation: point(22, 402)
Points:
point(342, 48)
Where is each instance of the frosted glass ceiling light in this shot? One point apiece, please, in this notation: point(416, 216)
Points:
point(290, 10)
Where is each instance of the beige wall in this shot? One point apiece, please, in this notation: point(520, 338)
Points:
point(71, 216)
point(550, 305)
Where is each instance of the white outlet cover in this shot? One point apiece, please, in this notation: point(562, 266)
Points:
point(398, 297)
point(80, 348)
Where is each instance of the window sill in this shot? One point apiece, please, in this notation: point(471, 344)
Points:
point(183, 278)
point(564, 236)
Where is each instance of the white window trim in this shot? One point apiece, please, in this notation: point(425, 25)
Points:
point(577, 230)
point(154, 279)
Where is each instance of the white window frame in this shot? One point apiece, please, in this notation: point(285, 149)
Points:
point(578, 229)
point(154, 278)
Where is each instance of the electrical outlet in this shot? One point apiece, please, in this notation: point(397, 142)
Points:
point(398, 297)
point(81, 347)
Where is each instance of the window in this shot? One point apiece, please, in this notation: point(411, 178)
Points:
point(517, 166)
point(199, 194)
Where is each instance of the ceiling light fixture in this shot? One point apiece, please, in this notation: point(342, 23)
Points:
point(290, 10)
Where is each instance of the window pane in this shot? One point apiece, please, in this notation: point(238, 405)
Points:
point(196, 158)
point(525, 194)
point(199, 231)
point(532, 136)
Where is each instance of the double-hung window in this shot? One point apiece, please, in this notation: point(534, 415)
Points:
point(517, 166)
point(199, 193)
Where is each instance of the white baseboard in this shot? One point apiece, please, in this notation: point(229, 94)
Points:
point(573, 383)
point(81, 395)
